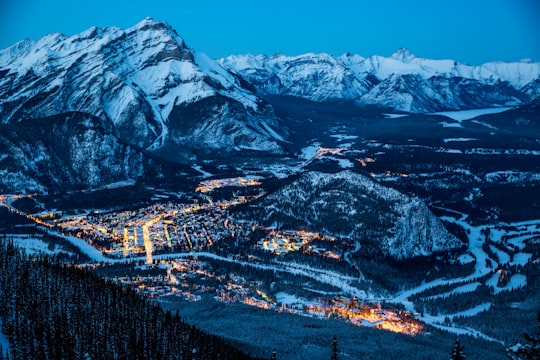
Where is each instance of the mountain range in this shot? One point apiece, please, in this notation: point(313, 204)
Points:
point(157, 101)
point(150, 92)
point(402, 82)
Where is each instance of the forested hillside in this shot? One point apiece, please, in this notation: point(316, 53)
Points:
point(55, 311)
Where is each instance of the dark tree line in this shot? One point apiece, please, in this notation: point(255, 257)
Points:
point(55, 311)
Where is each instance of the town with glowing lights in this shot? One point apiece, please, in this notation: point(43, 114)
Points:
point(180, 250)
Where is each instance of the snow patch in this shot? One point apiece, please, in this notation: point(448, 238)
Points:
point(465, 259)
point(521, 259)
point(309, 152)
point(288, 299)
point(344, 163)
point(33, 246)
point(467, 288)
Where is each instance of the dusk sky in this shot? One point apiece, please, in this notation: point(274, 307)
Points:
point(470, 31)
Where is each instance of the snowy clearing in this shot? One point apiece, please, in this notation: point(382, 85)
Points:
point(440, 318)
point(84, 247)
point(33, 246)
point(516, 281)
point(288, 299)
point(521, 259)
point(345, 163)
point(459, 290)
point(309, 152)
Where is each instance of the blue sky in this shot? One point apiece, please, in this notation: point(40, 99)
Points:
point(470, 31)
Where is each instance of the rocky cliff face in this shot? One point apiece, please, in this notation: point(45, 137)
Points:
point(145, 81)
point(381, 220)
point(67, 151)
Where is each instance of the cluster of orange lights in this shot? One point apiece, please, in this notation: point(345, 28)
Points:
point(321, 151)
point(365, 161)
point(278, 242)
point(282, 242)
point(258, 303)
point(211, 185)
point(401, 322)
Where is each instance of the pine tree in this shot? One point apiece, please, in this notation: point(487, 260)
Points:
point(457, 352)
point(335, 350)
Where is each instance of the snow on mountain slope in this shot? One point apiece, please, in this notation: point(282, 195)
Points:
point(382, 220)
point(319, 77)
point(67, 151)
point(402, 81)
point(137, 78)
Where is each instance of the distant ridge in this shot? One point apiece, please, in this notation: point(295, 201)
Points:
point(402, 81)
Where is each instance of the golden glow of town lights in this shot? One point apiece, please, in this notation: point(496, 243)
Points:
point(365, 161)
point(321, 151)
point(179, 227)
point(211, 185)
point(285, 241)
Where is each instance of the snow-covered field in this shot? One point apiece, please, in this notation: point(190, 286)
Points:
point(458, 290)
point(84, 247)
point(288, 299)
point(33, 245)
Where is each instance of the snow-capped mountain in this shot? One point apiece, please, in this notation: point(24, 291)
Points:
point(402, 81)
point(158, 93)
point(383, 221)
point(315, 77)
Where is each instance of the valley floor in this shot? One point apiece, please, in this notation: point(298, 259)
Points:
point(204, 275)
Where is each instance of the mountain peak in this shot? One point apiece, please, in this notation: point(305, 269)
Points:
point(403, 54)
point(149, 23)
point(145, 81)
